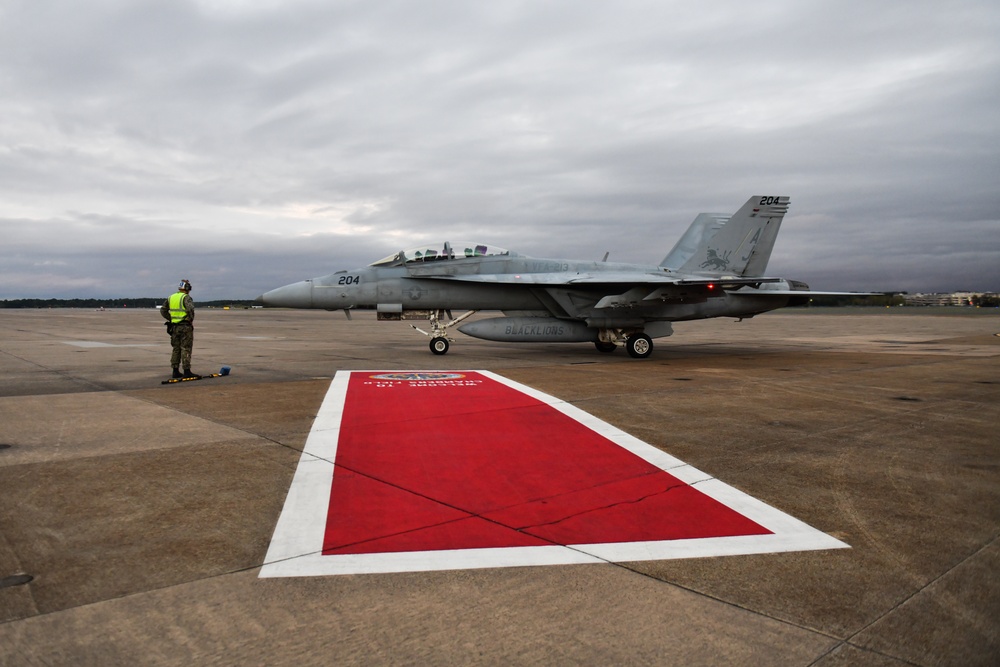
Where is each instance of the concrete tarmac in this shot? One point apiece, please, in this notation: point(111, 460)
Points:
point(141, 512)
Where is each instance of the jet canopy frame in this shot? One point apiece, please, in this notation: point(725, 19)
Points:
point(441, 251)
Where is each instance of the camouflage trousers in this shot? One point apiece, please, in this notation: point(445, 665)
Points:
point(182, 340)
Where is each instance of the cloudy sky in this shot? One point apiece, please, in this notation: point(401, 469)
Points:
point(245, 144)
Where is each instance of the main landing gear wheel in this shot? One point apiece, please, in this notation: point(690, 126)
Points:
point(639, 346)
point(439, 345)
point(605, 347)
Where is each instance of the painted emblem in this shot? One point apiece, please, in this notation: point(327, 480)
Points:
point(417, 376)
point(715, 261)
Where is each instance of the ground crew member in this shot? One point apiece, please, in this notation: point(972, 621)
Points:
point(178, 310)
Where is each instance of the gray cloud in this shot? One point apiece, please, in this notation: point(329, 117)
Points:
point(248, 144)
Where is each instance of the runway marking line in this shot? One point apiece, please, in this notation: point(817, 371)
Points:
point(95, 344)
point(440, 470)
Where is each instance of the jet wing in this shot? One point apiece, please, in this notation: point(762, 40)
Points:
point(601, 278)
point(545, 279)
point(579, 294)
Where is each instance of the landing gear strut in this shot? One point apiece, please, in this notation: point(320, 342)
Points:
point(440, 342)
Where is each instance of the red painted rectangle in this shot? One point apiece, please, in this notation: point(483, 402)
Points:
point(461, 461)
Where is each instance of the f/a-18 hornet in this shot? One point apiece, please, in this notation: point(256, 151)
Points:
point(715, 270)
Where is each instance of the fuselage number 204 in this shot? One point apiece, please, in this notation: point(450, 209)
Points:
point(349, 280)
point(768, 201)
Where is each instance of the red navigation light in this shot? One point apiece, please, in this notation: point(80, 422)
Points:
point(711, 286)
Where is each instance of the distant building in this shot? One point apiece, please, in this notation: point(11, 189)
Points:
point(946, 298)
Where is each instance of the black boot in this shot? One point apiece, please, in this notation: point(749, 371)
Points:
point(189, 374)
point(177, 373)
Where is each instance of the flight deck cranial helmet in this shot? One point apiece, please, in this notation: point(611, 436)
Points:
point(185, 285)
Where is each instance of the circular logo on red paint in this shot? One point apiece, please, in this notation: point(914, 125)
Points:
point(417, 376)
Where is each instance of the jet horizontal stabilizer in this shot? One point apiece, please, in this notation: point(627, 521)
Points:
point(805, 292)
point(728, 282)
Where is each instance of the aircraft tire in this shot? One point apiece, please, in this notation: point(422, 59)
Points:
point(604, 347)
point(639, 346)
point(439, 345)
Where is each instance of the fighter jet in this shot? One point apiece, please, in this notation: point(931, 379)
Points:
point(716, 269)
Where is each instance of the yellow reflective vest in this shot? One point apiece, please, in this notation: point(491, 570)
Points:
point(176, 306)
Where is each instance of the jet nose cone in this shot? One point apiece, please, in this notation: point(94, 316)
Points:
point(296, 295)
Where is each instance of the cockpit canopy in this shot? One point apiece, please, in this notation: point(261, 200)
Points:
point(446, 250)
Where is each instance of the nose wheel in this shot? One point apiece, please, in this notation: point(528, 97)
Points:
point(439, 345)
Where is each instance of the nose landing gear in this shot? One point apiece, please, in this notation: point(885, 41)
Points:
point(440, 342)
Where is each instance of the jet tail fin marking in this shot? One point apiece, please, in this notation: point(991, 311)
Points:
point(743, 245)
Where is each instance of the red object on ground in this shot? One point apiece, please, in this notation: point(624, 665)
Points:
point(461, 461)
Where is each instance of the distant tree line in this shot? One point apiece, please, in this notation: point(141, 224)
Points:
point(986, 300)
point(892, 299)
point(114, 303)
point(880, 301)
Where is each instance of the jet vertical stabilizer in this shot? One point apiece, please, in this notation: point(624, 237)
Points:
point(743, 246)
